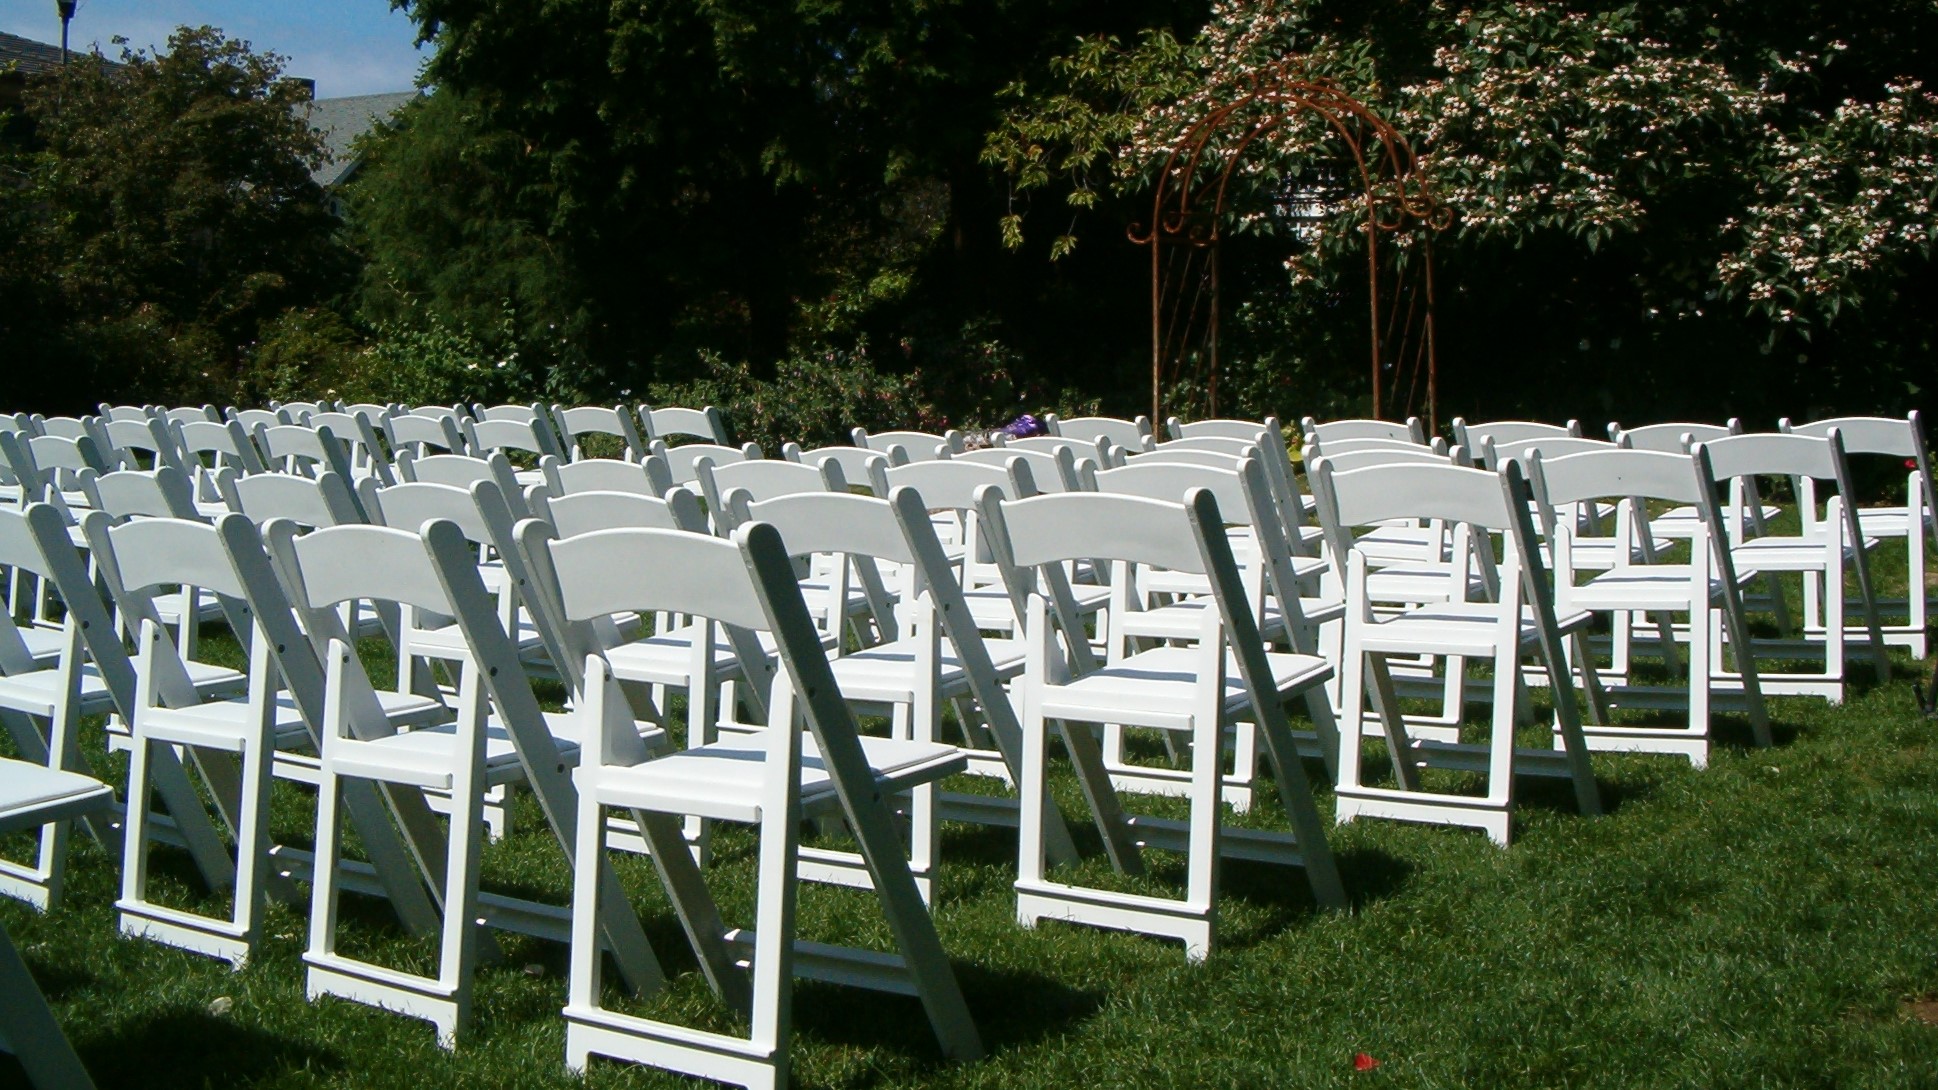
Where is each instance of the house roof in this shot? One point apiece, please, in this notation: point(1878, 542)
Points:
point(342, 120)
point(34, 58)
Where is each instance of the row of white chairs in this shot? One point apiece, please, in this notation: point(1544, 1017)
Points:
point(1238, 589)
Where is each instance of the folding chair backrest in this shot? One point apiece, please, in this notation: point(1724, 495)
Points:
point(1413, 431)
point(1375, 494)
point(598, 420)
point(311, 503)
point(147, 435)
point(647, 477)
point(1226, 428)
point(341, 564)
point(1669, 437)
point(523, 414)
point(680, 460)
point(1898, 438)
point(453, 413)
point(920, 446)
point(1131, 435)
point(1491, 452)
point(225, 439)
point(1501, 432)
point(251, 419)
point(1360, 459)
point(1042, 531)
point(953, 484)
point(142, 494)
point(588, 512)
point(533, 435)
point(408, 505)
point(66, 456)
point(191, 414)
point(705, 424)
point(828, 522)
point(67, 427)
point(1768, 454)
point(857, 463)
point(1599, 474)
point(1049, 472)
point(124, 412)
point(1315, 448)
point(460, 471)
point(650, 571)
point(301, 449)
point(1099, 451)
point(761, 480)
point(418, 433)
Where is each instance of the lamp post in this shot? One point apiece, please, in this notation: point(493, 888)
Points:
point(66, 8)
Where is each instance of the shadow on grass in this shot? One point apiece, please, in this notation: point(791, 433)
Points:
point(1011, 1007)
point(172, 1049)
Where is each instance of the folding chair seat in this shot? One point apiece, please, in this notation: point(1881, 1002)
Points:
point(1911, 521)
point(614, 421)
point(1196, 689)
point(32, 795)
point(706, 424)
point(90, 676)
point(1640, 582)
point(1131, 435)
point(499, 736)
point(1519, 622)
point(771, 778)
point(1828, 542)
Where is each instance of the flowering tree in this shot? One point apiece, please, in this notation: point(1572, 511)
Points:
point(1647, 177)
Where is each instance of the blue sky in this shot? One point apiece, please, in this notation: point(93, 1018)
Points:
point(349, 47)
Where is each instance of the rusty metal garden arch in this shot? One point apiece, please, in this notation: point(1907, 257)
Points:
point(1189, 211)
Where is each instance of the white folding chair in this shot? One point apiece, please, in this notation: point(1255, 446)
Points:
point(362, 443)
point(1195, 688)
point(32, 795)
point(208, 447)
point(1633, 578)
point(91, 676)
point(1827, 543)
point(1521, 621)
point(681, 461)
point(856, 462)
point(500, 736)
point(1912, 521)
point(423, 435)
point(770, 778)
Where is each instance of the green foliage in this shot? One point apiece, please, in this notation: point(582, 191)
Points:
point(1683, 188)
point(160, 214)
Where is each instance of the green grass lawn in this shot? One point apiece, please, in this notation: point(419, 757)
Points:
point(1767, 922)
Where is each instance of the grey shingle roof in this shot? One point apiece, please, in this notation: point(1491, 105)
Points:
point(35, 58)
point(342, 120)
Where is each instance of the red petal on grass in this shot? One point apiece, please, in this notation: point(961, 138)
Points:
point(1363, 1062)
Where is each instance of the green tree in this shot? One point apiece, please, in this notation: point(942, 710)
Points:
point(1665, 207)
point(161, 214)
point(748, 177)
